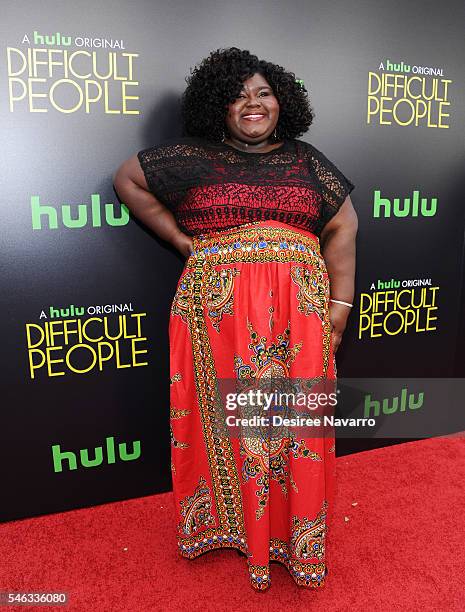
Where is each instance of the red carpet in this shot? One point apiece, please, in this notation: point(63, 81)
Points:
point(401, 547)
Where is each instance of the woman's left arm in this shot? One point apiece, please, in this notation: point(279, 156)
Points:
point(337, 242)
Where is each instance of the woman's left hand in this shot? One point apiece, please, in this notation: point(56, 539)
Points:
point(338, 315)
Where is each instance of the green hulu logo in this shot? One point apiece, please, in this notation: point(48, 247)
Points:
point(51, 214)
point(391, 284)
point(392, 67)
point(96, 457)
point(373, 408)
point(413, 207)
point(71, 311)
point(56, 39)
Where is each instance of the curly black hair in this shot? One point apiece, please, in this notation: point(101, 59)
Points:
point(218, 80)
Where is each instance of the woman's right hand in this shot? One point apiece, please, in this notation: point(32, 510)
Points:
point(183, 243)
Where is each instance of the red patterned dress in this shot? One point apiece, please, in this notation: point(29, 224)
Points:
point(251, 306)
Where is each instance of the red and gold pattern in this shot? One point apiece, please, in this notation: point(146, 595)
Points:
point(237, 315)
point(176, 413)
point(195, 510)
point(313, 294)
point(267, 456)
point(272, 360)
point(219, 299)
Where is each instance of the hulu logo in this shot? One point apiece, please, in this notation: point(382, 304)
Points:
point(53, 39)
point(391, 67)
point(96, 457)
point(412, 207)
point(373, 408)
point(382, 285)
point(71, 311)
point(50, 215)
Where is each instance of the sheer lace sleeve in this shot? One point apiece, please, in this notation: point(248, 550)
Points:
point(152, 161)
point(172, 167)
point(334, 186)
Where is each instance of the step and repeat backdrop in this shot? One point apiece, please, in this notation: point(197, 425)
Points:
point(86, 289)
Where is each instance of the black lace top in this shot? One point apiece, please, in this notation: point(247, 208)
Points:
point(212, 186)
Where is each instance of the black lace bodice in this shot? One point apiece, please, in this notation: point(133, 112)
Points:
point(211, 186)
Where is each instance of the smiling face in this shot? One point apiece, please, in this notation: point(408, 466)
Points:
point(253, 116)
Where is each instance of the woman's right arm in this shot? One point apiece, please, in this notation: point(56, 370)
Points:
point(131, 187)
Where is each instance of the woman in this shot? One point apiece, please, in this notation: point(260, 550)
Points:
point(249, 205)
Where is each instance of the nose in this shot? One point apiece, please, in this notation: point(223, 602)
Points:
point(253, 101)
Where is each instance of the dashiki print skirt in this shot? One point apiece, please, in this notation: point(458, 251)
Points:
point(251, 303)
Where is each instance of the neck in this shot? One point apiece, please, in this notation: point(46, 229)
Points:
point(245, 146)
